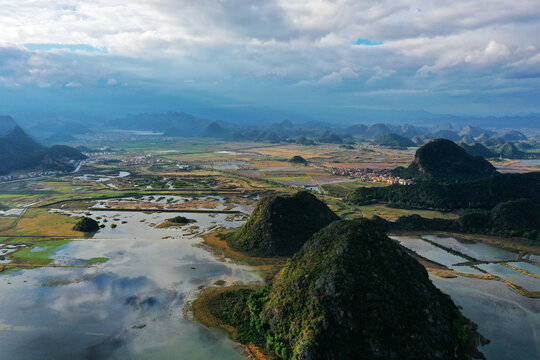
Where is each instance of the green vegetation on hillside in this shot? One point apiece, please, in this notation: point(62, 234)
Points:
point(443, 161)
point(281, 224)
point(516, 218)
point(19, 151)
point(349, 293)
point(477, 149)
point(480, 194)
point(393, 140)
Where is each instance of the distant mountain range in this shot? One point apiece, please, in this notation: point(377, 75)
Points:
point(177, 124)
point(19, 151)
point(383, 133)
point(509, 144)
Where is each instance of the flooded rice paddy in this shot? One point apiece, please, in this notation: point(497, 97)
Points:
point(510, 320)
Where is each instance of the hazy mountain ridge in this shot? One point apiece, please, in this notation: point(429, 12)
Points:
point(19, 151)
point(181, 124)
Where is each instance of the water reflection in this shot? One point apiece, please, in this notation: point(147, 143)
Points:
point(510, 320)
point(129, 307)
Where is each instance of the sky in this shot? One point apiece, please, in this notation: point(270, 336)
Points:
point(317, 59)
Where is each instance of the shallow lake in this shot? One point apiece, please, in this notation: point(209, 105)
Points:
point(127, 308)
point(477, 250)
point(511, 321)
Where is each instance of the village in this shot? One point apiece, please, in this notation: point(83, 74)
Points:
point(373, 175)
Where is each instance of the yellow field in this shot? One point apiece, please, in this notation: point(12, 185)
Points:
point(288, 151)
point(343, 188)
point(392, 214)
point(39, 222)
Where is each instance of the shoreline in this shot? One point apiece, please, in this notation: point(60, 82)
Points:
point(520, 245)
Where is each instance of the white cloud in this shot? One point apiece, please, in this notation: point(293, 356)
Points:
point(112, 82)
point(491, 53)
point(73, 84)
point(448, 43)
point(379, 74)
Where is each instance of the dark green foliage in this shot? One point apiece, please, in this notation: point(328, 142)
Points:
point(512, 136)
point(352, 293)
point(156, 182)
point(302, 140)
point(526, 146)
point(516, 218)
point(493, 142)
point(232, 308)
point(181, 220)
point(63, 151)
point(510, 151)
point(477, 149)
point(298, 160)
point(281, 224)
point(480, 194)
point(443, 161)
point(375, 131)
point(416, 222)
point(330, 137)
point(511, 218)
point(86, 225)
point(393, 140)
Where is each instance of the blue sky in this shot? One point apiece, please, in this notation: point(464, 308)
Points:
point(307, 58)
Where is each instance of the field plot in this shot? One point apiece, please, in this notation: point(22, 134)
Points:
point(451, 257)
point(392, 214)
point(42, 223)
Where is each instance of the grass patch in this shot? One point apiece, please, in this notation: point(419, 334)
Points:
point(39, 222)
point(343, 188)
point(97, 260)
point(288, 178)
point(226, 309)
point(39, 254)
point(267, 267)
point(62, 282)
point(393, 214)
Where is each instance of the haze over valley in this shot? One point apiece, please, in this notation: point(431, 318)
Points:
point(269, 180)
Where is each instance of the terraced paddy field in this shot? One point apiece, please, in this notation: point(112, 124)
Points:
point(497, 288)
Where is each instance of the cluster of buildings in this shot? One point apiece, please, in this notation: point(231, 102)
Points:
point(373, 175)
point(128, 160)
point(28, 175)
point(137, 160)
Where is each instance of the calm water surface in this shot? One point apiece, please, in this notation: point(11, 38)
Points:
point(131, 306)
point(510, 320)
point(127, 308)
